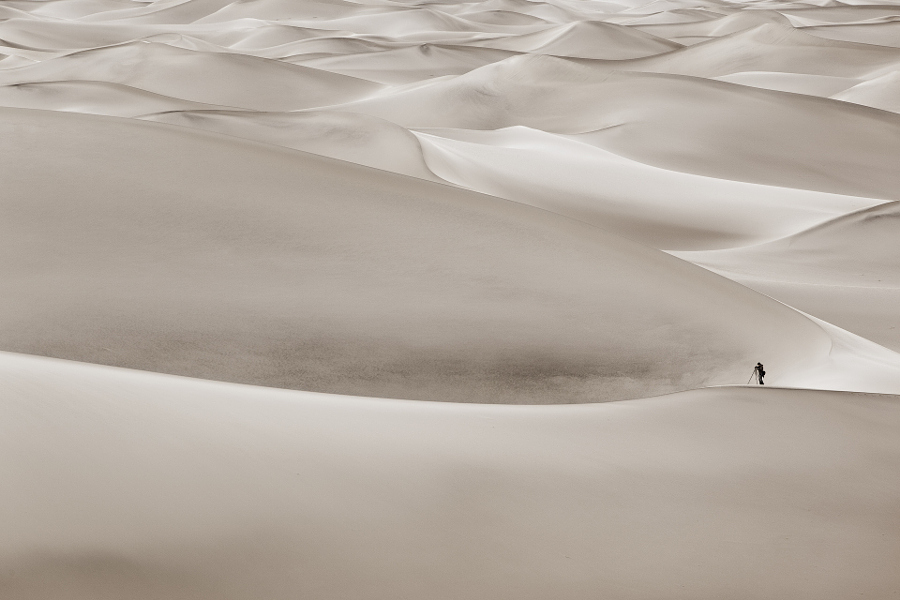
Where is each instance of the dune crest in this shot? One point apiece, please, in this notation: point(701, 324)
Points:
point(214, 490)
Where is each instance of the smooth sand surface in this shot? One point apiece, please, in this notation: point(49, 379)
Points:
point(334, 299)
point(145, 486)
point(846, 270)
point(263, 265)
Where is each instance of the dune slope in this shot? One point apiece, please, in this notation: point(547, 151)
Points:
point(230, 260)
point(199, 77)
point(177, 488)
point(678, 123)
point(846, 271)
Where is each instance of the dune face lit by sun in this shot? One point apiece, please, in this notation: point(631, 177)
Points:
point(373, 205)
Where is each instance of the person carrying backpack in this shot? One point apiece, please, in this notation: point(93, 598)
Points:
point(759, 372)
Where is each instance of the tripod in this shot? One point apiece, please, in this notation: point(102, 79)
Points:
point(755, 374)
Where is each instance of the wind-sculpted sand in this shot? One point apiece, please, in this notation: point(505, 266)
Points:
point(406, 216)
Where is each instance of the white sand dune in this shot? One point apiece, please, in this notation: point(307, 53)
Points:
point(411, 64)
point(267, 36)
point(9, 12)
point(200, 77)
point(413, 23)
point(555, 12)
point(882, 34)
point(351, 137)
point(881, 92)
point(660, 208)
point(692, 32)
point(853, 249)
point(262, 43)
point(523, 209)
point(93, 97)
point(840, 14)
point(146, 486)
point(823, 86)
point(269, 266)
point(846, 270)
point(68, 36)
point(281, 10)
point(774, 47)
point(164, 12)
point(501, 17)
point(682, 124)
point(586, 40)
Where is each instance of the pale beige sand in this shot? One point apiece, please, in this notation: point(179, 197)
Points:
point(880, 92)
point(264, 265)
point(686, 124)
point(409, 64)
point(94, 97)
point(591, 39)
point(352, 137)
point(658, 207)
point(199, 77)
point(143, 486)
point(846, 271)
point(493, 203)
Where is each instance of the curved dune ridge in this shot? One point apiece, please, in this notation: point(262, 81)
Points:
point(420, 62)
point(670, 209)
point(724, 131)
point(591, 39)
point(213, 490)
point(94, 97)
point(200, 77)
point(881, 92)
point(351, 137)
point(265, 266)
point(851, 249)
point(338, 299)
point(846, 270)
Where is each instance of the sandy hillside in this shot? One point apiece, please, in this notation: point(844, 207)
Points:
point(274, 272)
point(145, 486)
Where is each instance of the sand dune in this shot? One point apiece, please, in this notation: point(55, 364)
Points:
point(543, 214)
point(266, 36)
point(61, 35)
point(841, 14)
point(557, 12)
point(352, 137)
point(199, 77)
point(660, 208)
point(262, 43)
point(501, 17)
point(692, 32)
point(823, 86)
point(177, 488)
point(275, 267)
point(586, 40)
point(853, 249)
point(93, 97)
point(171, 13)
point(724, 131)
point(774, 47)
point(410, 64)
point(278, 10)
point(882, 34)
point(413, 23)
point(845, 271)
point(881, 92)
